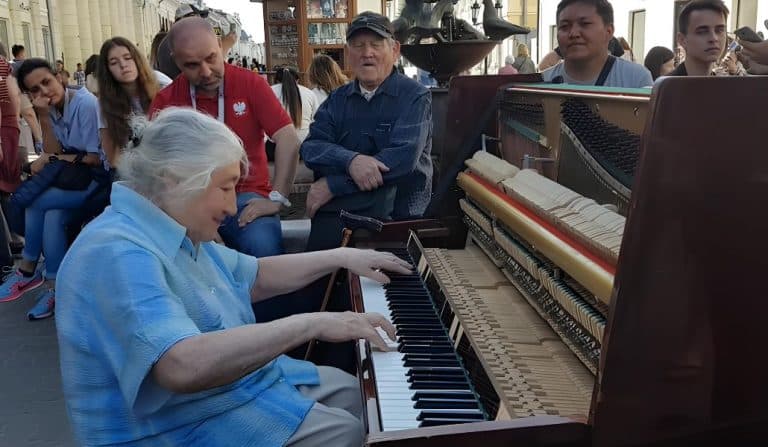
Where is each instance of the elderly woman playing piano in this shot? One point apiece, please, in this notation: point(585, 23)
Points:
point(160, 346)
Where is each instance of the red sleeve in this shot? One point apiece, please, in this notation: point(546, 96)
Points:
point(270, 113)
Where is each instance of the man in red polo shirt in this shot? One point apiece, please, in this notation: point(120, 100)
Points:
point(246, 104)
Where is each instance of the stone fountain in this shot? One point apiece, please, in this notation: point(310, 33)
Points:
point(453, 44)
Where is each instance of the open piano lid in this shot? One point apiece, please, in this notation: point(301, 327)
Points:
point(684, 355)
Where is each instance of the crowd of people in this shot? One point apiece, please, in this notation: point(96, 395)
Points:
point(586, 45)
point(181, 337)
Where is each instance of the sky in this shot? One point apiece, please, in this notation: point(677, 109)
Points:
point(251, 15)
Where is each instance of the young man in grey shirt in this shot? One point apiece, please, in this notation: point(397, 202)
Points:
point(584, 29)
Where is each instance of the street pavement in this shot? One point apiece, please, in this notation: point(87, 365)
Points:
point(32, 409)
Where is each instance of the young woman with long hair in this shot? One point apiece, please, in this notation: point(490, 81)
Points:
point(326, 76)
point(127, 86)
point(299, 101)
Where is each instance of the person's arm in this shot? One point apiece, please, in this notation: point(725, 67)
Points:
point(13, 92)
point(28, 113)
point(407, 139)
point(51, 143)
point(111, 151)
point(282, 274)
point(755, 51)
point(286, 158)
point(218, 358)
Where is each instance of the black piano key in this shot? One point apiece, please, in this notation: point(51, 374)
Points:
point(432, 362)
point(416, 349)
point(438, 384)
point(433, 422)
point(444, 394)
point(445, 404)
point(465, 413)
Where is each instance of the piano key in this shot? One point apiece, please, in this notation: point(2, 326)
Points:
point(425, 371)
point(445, 403)
point(432, 422)
point(452, 413)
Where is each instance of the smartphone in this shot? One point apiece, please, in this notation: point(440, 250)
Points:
point(747, 34)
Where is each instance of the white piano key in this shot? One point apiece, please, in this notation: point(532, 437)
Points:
point(395, 404)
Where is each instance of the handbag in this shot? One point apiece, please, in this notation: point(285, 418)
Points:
point(73, 176)
point(58, 173)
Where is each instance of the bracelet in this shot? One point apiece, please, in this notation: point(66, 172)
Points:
point(38, 146)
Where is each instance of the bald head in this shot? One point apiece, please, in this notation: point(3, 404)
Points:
point(197, 52)
point(182, 30)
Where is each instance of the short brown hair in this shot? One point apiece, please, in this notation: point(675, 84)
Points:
point(700, 5)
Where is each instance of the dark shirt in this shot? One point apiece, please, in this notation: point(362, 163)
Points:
point(680, 70)
point(395, 127)
point(165, 62)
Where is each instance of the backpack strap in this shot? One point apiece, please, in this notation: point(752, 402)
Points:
point(606, 70)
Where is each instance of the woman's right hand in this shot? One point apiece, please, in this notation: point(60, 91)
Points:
point(338, 327)
point(41, 103)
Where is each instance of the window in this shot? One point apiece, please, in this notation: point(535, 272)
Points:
point(637, 34)
point(48, 43)
point(743, 13)
point(552, 37)
point(4, 31)
point(27, 38)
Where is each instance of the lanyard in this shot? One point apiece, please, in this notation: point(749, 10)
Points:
point(193, 96)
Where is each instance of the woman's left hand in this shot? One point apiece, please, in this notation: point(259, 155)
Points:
point(369, 263)
point(40, 163)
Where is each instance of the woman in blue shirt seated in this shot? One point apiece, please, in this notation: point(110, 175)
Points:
point(69, 121)
point(161, 346)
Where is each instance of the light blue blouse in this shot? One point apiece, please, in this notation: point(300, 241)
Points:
point(77, 127)
point(154, 288)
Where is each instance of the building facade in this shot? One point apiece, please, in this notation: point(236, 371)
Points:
point(72, 30)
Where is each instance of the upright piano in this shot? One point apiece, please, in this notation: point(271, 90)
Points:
point(580, 313)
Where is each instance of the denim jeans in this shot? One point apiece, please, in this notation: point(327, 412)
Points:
point(45, 230)
point(262, 237)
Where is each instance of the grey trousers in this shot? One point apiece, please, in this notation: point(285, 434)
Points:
point(334, 420)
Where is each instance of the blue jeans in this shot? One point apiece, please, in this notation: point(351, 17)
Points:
point(45, 225)
point(262, 237)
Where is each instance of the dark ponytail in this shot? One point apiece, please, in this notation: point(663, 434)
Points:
point(287, 77)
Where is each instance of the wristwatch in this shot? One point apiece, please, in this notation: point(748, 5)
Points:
point(275, 196)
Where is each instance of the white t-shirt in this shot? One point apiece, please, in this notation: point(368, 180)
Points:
point(623, 74)
point(162, 80)
point(309, 106)
point(320, 94)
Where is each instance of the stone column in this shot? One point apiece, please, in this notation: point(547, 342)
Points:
point(84, 29)
point(17, 16)
point(139, 25)
point(37, 34)
point(130, 26)
point(106, 19)
point(95, 23)
point(115, 18)
point(54, 24)
point(70, 32)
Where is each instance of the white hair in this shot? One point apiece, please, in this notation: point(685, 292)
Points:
point(172, 158)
